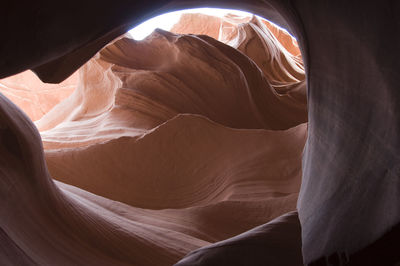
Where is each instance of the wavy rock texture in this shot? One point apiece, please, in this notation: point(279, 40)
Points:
point(183, 141)
point(227, 27)
point(348, 205)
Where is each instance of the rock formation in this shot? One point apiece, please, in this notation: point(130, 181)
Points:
point(34, 97)
point(183, 141)
point(348, 204)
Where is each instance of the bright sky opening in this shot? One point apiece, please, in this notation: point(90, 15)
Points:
point(167, 20)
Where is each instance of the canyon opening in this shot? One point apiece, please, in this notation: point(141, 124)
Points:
point(201, 141)
point(185, 137)
point(175, 139)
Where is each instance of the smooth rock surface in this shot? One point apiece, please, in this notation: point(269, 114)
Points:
point(275, 243)
point(184, 141)
point(350, 186)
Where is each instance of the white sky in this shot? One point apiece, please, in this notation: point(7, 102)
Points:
point(167, 20)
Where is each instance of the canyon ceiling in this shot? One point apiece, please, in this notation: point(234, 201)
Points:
point(348, 205)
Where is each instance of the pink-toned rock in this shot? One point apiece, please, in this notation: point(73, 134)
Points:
point(183, 141)
point(226, 28)
point(195, 23)
point(284, 38)
point(33, 96)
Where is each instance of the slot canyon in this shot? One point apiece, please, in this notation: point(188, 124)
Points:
point(265, 139)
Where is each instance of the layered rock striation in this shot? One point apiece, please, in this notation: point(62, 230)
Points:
point(166, 145)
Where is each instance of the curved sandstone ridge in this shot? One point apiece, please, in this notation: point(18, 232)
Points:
point(348, 205)
point(273, 50)
point(282, 233)
point(227, 27)
point(132, 86)
point(187, 161)
point(183, 141)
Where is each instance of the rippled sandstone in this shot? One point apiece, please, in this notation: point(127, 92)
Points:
point(184, 141)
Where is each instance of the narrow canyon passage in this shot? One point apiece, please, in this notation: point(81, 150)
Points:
point(162, 146)
point(348, 205)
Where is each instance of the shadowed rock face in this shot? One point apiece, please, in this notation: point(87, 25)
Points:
point(250, 248)
point(350, 185)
